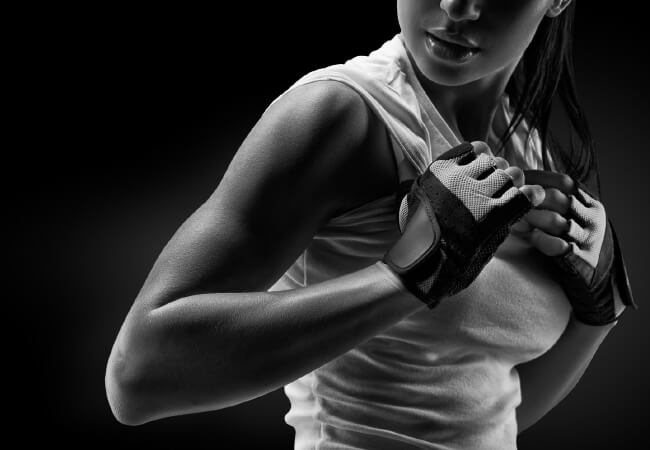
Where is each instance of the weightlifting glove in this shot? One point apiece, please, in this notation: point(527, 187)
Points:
point(454, 217)
point(592, 268)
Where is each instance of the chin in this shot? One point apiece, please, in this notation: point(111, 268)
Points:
point(444, 72)
point(448, 75)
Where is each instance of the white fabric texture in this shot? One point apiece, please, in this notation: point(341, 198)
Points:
point(442, 378)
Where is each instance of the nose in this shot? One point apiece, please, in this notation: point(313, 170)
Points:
point(458, 10)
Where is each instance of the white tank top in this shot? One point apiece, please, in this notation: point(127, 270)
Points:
point(442, 378)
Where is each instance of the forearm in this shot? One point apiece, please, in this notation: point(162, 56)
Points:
point(546, 380)
point(211, 351)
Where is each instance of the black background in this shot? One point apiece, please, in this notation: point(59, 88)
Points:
point(131, 119)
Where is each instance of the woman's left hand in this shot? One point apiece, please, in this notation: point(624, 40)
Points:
point(570, 227)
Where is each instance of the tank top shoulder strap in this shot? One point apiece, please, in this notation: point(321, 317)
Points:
point(379, 79)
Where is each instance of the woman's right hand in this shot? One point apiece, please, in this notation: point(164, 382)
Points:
point(454, 218)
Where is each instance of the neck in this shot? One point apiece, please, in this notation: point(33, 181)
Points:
point(468, 109)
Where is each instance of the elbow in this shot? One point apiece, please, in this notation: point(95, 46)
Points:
point(122, 405)
point(124, 393)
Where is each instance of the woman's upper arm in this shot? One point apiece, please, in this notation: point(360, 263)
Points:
point(298, 167)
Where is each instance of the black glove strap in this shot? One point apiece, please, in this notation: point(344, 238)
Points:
point(596, 304)
point(620, 273)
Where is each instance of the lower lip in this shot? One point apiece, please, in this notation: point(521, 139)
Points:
point(449, 52)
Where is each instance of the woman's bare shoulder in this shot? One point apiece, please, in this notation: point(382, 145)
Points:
point(315, 153)
point(360, 154)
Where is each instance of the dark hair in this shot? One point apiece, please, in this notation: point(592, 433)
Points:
point(546, 68)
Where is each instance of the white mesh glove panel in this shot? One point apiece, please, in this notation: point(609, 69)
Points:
point(453, 219)
point(592, 268)
point(587, 230)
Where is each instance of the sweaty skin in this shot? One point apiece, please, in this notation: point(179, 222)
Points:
point(467, 95)
point(203, 329)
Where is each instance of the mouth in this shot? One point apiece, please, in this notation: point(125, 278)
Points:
point(455, 43)
point(449, 51)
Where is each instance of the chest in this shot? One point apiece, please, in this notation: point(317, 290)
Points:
point(514, 310)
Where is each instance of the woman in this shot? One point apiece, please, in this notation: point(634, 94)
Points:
point(284, 276)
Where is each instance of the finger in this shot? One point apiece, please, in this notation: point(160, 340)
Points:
point(548, 221)
point(521, 226)
point(548, 179)
point(463, 153)
point(503, 180)
point(516, 174)
point(547, 244)
point(480, 168)
point(556, 200)
point(535, 193)
point(496, 164)
point(577, 233)
point(481, 147)
point(501, 163)
point(498, 183)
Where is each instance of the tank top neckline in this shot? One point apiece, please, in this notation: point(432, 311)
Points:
point(429, 108)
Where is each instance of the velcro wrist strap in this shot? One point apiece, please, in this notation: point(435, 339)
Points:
point(619, 273)
point(596, 294)
point(415, 258)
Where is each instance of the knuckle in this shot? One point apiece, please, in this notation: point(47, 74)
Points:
point(566, 181)
point(564, 200)
point(537, 192)
point(554, 195)
point(515, 172)
point(480, 146)
point(501, 162)
point(558, 220)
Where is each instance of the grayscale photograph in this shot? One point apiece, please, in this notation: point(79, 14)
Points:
point(366, 225)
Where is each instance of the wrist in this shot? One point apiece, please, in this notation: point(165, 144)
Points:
point(404, 284)
point(392, 276)
point(588, 327)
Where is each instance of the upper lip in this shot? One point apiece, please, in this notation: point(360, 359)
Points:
point(454, 38)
